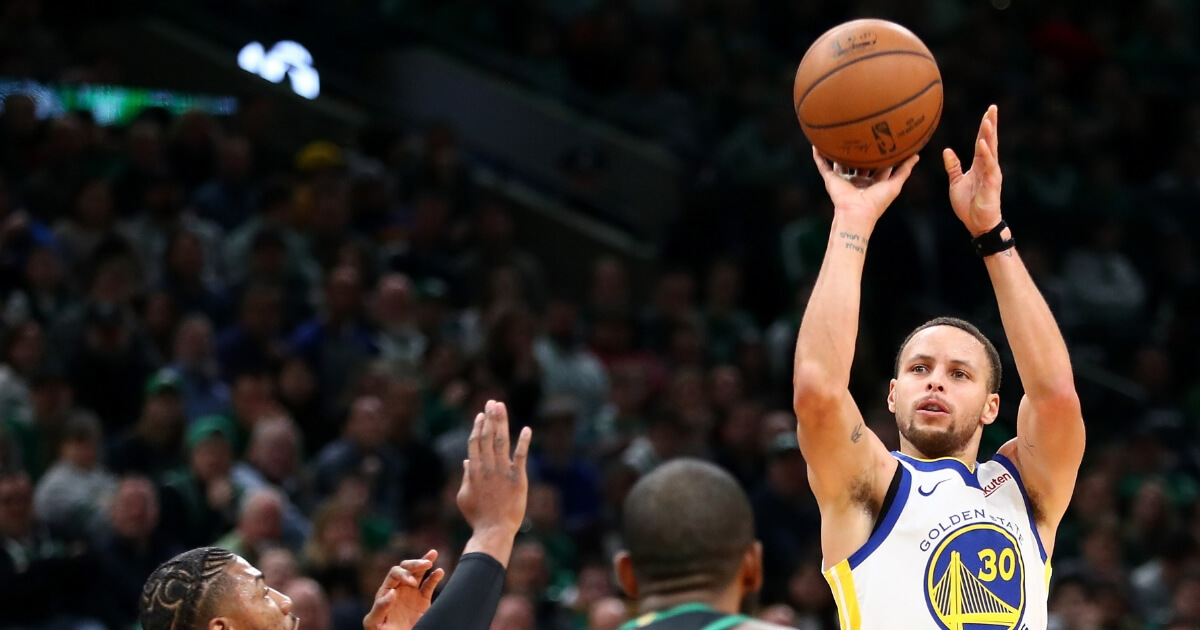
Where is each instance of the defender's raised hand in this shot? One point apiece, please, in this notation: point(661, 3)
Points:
point(864, 203)
point(495, 487)
point(975, 194)
point(404, 597)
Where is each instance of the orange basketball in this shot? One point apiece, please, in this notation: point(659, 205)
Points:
point(868, 94)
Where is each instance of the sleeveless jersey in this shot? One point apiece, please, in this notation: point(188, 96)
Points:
point(957, 549)
point(684, 617)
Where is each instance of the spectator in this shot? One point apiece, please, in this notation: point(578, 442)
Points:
point(786, 515)
point(226, 198)
point(255, 342)
point(155, 444)
point(400, 340)
point(204, 393)
point(423, 475)
point(259, 524)
point(568, 367)
point(130, 548)
point(363, 451)
point(199, 503)
point(24, 352)
point(44, 579)
point(273, 461)
point(310, 603)
point(72, 493)
point(44, 296)
point(560, 464)
point(108, 364)
point(338, 343)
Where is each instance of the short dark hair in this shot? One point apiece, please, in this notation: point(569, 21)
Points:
point(182, 592)
point(961, 324)
point(686, 526)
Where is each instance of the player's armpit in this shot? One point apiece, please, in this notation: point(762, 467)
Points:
point(846, 460)
point(1047, 452)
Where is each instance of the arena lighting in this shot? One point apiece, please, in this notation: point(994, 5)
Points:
point(286, 58)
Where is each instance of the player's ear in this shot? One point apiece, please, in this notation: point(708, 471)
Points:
point(891, 398)
point(751, 575)
point(220, 623)
point(991, 409)
point(623, 567)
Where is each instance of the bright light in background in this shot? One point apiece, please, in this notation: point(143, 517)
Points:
point(286, 58)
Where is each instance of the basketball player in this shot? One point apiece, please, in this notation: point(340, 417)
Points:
point(927, 538)
point(690, 556)
point(212, 589)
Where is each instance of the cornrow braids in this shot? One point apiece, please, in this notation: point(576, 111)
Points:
point(180, 592)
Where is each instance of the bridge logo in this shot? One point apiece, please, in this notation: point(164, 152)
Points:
point(975, 580)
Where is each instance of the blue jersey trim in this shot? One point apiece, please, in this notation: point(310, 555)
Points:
point(945, 463)
point(1012, 470)
point(888, 522)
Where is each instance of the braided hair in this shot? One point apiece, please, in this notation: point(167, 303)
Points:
point(179, 595)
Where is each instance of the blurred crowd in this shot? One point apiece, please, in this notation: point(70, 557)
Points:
point(208, 338)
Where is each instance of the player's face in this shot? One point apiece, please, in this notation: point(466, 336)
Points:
point(255, 606)
point(940, 395)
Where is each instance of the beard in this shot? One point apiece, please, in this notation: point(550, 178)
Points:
point(937, 442)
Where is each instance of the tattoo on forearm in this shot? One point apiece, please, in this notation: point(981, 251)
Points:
point(854, 241)
point(857, 434)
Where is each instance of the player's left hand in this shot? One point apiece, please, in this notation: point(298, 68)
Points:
point(403, 598)
point(975, 194)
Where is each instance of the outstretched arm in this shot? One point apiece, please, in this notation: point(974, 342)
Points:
point(1050, 432)
point(840, 450)
point(492, 498)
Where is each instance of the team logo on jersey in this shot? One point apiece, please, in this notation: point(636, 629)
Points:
point(975, 580)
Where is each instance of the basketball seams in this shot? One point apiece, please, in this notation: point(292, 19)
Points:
point(800, 101)
point(881, 112)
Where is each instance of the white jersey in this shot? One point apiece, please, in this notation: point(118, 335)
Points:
point(957, 549)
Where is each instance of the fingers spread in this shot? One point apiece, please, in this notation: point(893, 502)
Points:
point(522, 452)
point(822, 166)
point(378, 613)
point(416, 567)
point(487, 451)
point(953, 165)
point(901, 173)
point(982, 123)
point(994, 113)
point(430, 584)
point(499, 417)
point(473, 440)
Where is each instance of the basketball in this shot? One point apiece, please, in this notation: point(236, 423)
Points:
point(868, 94)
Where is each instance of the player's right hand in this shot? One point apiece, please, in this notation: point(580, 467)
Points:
point(495, 487)
point(405, 595)
point(864, 204)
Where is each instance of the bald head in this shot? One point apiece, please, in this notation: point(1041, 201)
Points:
point(309, 603)
point(607, 614)
point(687, 525)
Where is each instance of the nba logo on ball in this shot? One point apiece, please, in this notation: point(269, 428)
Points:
point(975, 580)
point(883, 137)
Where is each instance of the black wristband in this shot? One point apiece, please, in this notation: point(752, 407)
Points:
point(992, 243)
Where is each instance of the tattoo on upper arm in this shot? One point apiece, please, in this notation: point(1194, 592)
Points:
point(854, 241)
point(857, 434)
